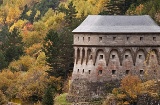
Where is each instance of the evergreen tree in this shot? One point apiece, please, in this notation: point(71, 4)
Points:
point(52, 50)
point(24, 15)
point(3, 62)
point(12, 46)
point(117, 7)
point(48, 96)
point(70, 15)
point(43, 7)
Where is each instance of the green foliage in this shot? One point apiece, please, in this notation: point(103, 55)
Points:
point(3, 62)
point(34, 26)
point(52, 50)
point(48, 96)
point(117, 7)
point(61, 99)
point(13, 47)
point(42, 6)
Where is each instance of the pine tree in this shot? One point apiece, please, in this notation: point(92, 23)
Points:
point(117, 7)
point(53, 52)
point(70, 15)
point(48, 96)
point(12, 45)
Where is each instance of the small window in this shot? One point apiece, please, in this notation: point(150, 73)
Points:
point(83, 71)
point(141, 72)
point(83, 38)
point(127, 71)
point(113, 72)
point(140, 56)
point(78, 70)
point(126, 56)
point(113, 56)
point(114, 38)
point(99, 72)
point(100, 39)
point(154, 38)
point(141, 38)
point(127, 38)
point(101, 57)
point(78, 38)
point(88, 39)
point(89, 71)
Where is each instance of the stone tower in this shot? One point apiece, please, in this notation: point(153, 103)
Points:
point(107, 48)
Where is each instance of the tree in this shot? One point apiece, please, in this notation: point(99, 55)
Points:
point(117, 7)
point(70, 15)
point(52, 51)
point(3, 100)
point(58, 49)
point(48, 96)
point(43, 7)
point(3, 62)
point(131, 85)
point(12, 45)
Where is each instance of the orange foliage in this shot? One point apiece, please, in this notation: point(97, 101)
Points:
point(131, 85)
point(34, 49)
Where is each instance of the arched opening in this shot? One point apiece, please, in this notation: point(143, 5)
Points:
point(114, 57)
point(100, 55)
point(78, 54)
point(153, 60)
point(127, 60)
point(140, 60)
point(83, 55)
point(89, 56)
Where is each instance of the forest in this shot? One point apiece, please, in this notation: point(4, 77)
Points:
point(36, 52)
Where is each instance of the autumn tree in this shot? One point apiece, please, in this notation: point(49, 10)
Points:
point(3, 100)
point(131, 85)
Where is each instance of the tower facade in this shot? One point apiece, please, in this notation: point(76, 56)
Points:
point(107, 48)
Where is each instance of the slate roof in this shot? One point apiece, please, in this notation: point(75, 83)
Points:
point(117, 24)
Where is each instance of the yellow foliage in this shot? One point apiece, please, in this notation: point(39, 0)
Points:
point(28, 13)
point(23, 64)
point(37, 14)
point(34, 49)
point(89, 7)
point(121, 96)
point(53, 19)
point(131, 85)
point(41, 59)
point(139, 9)
point(55, 82)
point(13, 14)
point(126, 103)
point(19, 25)
point(33, 82)
point(136, 11)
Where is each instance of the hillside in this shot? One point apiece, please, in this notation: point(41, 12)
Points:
point(36, 53)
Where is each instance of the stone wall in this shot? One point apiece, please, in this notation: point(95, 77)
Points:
point(110, 63)
point(84, 91)
point(124, 39)
point(100, 58)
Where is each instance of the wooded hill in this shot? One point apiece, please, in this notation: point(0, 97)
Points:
point(36, 53)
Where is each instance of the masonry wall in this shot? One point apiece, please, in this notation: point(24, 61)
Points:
point(100, 58)
point(124, 39)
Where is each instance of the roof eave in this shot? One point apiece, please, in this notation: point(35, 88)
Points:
point(116, 32)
